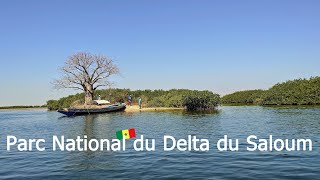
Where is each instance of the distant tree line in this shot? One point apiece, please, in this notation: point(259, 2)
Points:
point(293, 92)
point(189, 99)
point(21, 107)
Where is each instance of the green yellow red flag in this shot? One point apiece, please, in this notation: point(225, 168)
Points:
point(126, 133)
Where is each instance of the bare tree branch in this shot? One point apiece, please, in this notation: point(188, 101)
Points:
point(86, 72)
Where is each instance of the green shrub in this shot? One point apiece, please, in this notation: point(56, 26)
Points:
point(156, 102)
point(52, 105)
point(201, 100)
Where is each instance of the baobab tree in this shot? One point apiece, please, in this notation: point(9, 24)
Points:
point(86, 72)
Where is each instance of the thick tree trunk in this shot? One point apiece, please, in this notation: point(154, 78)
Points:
point(88, 94)
point(88, 97)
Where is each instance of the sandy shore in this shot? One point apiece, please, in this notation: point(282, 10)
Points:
point(135, 108)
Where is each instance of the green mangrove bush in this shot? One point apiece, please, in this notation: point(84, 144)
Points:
point(243, 97)
point(201, 100)
point(293, 92)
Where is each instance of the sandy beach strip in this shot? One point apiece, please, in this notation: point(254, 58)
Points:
point(135, 108)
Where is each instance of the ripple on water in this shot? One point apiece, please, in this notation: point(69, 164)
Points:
point(236, 122)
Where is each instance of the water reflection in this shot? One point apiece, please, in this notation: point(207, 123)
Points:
point(236, 122)
point(200, 114)
point(89, 126)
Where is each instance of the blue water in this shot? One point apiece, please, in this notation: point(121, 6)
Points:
point(236, 122)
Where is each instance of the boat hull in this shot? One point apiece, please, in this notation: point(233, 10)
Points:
point(108, 109)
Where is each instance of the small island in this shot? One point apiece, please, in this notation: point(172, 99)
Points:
point(88, 72)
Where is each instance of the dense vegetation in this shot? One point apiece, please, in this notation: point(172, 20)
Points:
point(151, 98)
point(201, 100)
point(293, 92)
point(243, 97)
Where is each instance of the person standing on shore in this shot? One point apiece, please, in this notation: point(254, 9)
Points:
point(129, 100)
point(140, 102)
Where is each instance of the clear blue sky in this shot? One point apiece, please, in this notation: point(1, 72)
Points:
point(223, 46)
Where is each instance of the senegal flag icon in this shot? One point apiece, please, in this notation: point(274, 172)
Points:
point(126, 133)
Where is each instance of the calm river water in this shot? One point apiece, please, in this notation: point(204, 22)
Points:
point(236, 122)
